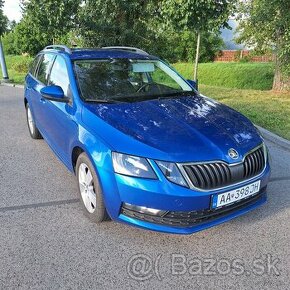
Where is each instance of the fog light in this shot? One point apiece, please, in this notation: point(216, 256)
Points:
point(145, 210)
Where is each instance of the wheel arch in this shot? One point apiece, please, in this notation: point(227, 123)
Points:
point(76, 152)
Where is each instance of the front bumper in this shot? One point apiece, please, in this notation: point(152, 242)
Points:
point(188, 211)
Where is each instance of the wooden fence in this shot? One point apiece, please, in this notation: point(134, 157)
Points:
point(237, 55)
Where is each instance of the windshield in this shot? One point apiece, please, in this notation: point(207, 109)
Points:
point(127, 79)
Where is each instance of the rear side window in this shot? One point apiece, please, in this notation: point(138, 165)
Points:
point(33, 65)
point(59, 75)
point(44, 67)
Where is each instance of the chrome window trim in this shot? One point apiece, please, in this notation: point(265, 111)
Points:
point(58, 47)
point(127, 48)
point(191, 186)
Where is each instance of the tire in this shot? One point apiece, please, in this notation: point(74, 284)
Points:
point(90, 192)
point(34, 133)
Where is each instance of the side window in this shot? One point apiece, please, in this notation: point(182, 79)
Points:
point(33, 65)
point(59, 75)
point(44, 67)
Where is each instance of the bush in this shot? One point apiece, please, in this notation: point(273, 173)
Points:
point(17, 66)
point(8, 41)
point(22, 65)
point(257, 76)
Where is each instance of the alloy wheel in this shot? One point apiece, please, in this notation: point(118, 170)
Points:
point(30, 121)
point(86, 185)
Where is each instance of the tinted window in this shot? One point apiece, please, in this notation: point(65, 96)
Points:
point(59, 75)
point(34, 64)
point(158, 77)
point(127, 79)
point(43, 68)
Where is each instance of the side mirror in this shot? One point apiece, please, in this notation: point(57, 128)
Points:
point(192, 83)
point(54, 93)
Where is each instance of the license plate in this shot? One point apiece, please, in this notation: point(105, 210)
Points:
point(235, 195)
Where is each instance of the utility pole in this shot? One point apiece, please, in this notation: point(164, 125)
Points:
point(3, 63)
point(196, 59)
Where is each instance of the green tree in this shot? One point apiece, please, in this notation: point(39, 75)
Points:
point(265, 25)
point(49, 20)
point(180, 46)
point(8, 40)
point(198, 16)
point(11, 25)
point(43, 22)
point(117, 22)
point(104, 23)
point(28, 38)
point(3, 19)
point(141, 24)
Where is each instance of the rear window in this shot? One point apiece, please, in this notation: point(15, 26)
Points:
point(33, 65)
point(44, 67)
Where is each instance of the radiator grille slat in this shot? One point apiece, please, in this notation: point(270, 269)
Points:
point(211, 175)
point(199, 177)
point(219, 174)
point(246, 168)
point(218, 177)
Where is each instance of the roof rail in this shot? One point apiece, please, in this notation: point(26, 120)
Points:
point(60, 47)
point(129, 48)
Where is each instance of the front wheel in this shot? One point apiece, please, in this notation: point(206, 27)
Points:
point(34, 133)
point(90, 191)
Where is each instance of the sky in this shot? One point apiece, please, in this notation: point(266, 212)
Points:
point(228, 36)
point(12, 10)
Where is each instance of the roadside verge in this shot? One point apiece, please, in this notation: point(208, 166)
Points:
point(269, 136)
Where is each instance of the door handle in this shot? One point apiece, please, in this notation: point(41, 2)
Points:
point(42, 100)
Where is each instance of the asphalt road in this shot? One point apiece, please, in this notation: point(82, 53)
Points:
point(46, 242)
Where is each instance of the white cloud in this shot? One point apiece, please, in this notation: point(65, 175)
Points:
point(12, 9)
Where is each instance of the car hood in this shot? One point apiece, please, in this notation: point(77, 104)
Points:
point(185, 129)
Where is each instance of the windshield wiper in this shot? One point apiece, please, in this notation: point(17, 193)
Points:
point(133, 98)
point(176, 94)
point(104, 101)
point(147, 97)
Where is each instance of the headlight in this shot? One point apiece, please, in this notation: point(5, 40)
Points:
point(171, 172)
point(132, 165)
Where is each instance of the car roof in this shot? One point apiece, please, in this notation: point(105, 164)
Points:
point(100, 53)
point(108, 53)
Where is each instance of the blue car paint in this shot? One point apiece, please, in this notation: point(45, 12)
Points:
point(186, 129)
point(179, 130)
point(190, 230)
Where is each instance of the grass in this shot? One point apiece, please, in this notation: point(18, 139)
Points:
point(268, 109)
point(17, 66)
point(257, 76)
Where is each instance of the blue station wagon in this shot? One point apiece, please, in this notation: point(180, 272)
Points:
point(146, 147)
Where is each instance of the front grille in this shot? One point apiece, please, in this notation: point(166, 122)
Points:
point(207, 176)
point(191, 218)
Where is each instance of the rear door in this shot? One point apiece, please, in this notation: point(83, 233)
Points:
point(30, 84)
point(36, 84)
